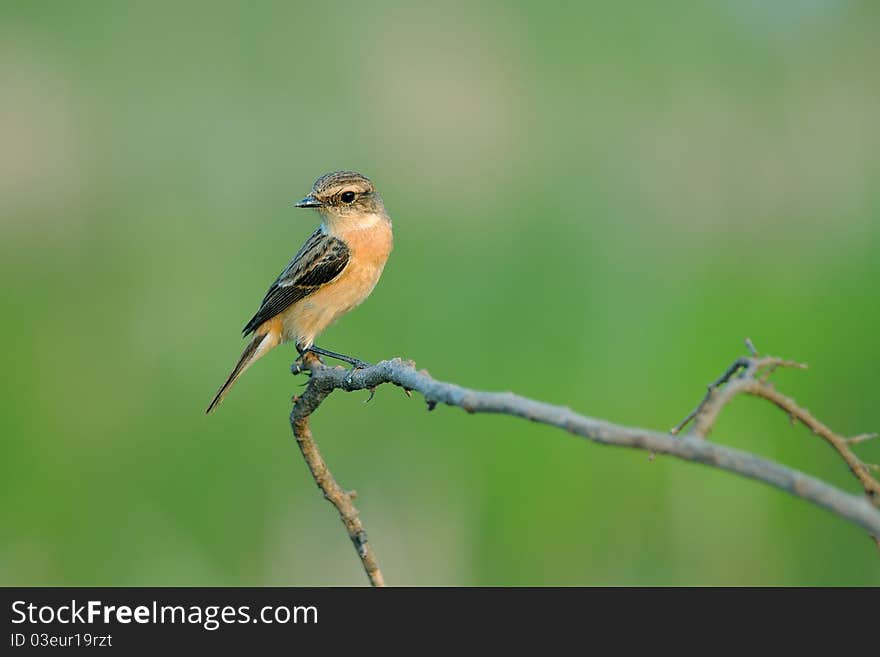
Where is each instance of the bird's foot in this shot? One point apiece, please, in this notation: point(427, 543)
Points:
point(299, 365)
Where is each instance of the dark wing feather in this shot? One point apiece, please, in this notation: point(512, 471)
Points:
point(321, 259)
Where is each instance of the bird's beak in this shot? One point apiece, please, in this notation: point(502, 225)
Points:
point(309, 202)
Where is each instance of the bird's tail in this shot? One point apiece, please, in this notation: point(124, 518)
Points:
point(257, 347)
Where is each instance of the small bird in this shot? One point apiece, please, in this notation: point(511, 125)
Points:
point(334, 271)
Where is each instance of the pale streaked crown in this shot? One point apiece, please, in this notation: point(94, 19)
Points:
point(334, 183)
point(344, 194)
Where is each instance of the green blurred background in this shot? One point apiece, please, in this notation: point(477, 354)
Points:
point(594, 205)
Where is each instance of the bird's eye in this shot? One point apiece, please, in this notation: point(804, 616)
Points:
point(347, 197)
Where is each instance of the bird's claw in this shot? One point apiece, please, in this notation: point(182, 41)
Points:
point(298, 367)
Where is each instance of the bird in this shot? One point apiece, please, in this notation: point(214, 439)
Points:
point(333, 272)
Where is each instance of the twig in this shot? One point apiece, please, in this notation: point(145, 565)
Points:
point(753, 380)
point(859, 469)
point(748, 368)
point(861, 438)
point(303, 407)
point(325, 380)
point(735, 367)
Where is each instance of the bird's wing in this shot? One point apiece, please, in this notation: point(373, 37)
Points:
point(321, 259)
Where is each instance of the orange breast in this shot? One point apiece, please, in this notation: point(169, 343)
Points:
point(368, 251)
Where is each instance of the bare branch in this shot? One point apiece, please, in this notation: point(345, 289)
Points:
point(754, 373)
point(753, 380)
point(859, 469)
point(735, 367)
point(747, 369)
point(303, 407)
point(324, 380)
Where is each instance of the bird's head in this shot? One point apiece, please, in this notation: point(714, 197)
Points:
point(344, 197)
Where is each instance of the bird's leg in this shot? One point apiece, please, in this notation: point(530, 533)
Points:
point(356, 363)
